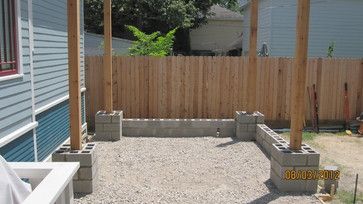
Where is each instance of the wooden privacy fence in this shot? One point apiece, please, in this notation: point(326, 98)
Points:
point(215, 87)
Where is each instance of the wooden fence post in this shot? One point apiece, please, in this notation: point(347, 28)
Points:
point(107, 60)
point(74, 73)
point(252, 59)
point(299, 74)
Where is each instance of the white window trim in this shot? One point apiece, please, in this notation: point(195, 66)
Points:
point(20, 47)
point(54, 103)
point(18, 133)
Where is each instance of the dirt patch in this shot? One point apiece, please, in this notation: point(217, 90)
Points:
point(343, 151)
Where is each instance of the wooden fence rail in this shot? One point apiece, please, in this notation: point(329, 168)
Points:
point(215, 87)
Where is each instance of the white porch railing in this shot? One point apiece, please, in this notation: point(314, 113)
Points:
point(51, 182)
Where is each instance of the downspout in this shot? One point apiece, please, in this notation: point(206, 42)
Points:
point(31, 66)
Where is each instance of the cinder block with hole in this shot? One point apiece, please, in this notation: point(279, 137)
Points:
point(86, 176)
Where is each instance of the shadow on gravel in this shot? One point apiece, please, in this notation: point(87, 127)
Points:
point(234, 141)
point(273, 194)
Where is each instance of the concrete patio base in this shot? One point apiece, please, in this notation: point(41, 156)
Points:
point(108, 126)
point(85, 179)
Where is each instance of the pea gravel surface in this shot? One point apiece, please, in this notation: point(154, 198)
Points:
point(185, 170)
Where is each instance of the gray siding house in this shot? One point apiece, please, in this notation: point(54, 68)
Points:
point(34, 117)
point(93, 45)
point(338, 21)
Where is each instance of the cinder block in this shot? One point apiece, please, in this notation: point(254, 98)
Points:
point(227, 132)
point(59, 156)
point(245, 118)
point(267, 147)
point(99, 127)
point(288, 185)
point(86, 158)
point(116, 136)
point(103, 136)
point(311, 186)
point(260, 118)
point(278, 169)
point(112, 127)
point(84, 186)
point(117, 117)
point(245, 136)
point(88, 173)
point(286, 157)
point(259, 140)
point(251, 127)
point(313, 158)
point(103, 117)
point(329, 182)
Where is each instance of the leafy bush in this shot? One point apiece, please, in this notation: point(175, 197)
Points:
point(153, 44)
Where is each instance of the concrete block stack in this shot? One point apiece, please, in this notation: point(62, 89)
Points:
point(108, 126)
point(246, 124)
point(266, 137)
point(294, 171)
point(179, 127)
point(85, 179)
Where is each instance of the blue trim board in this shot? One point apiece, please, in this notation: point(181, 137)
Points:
point(19, 150)
point(53, 129)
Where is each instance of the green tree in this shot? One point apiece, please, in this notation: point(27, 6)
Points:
point(152, 15)
point(153, 44)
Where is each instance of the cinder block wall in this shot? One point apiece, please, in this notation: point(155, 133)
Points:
point(285, 161)
point(178, 127)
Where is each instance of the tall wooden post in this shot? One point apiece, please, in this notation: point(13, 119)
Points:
point(74, 73)
point(107, 57)
point(299, 74)
point(252, 59)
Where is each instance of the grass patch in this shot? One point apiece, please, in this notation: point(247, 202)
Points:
point(308, 136)
point(347, 197)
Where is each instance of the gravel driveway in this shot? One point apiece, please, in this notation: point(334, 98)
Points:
point(185, 170)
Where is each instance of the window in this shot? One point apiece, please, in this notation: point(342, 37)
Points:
point(8, 38)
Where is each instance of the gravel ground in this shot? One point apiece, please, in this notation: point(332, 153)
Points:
point(185, 170)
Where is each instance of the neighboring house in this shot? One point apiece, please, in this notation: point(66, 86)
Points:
point(335, 21)
point(34, 106)
point(93, 45)
point(220, 33)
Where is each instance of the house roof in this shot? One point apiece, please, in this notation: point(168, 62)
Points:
point(220, 13)
point(243, 3)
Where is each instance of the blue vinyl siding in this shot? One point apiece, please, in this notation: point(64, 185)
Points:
point(53, 129)
point(19, 150)
point(330, 21)
point(51, 50)
point(15, 95)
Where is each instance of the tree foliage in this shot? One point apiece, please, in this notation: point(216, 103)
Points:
point(151, 15)
point(153, 44)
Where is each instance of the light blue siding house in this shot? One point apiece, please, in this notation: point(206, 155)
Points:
point(338, 21)
point(34, 117)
